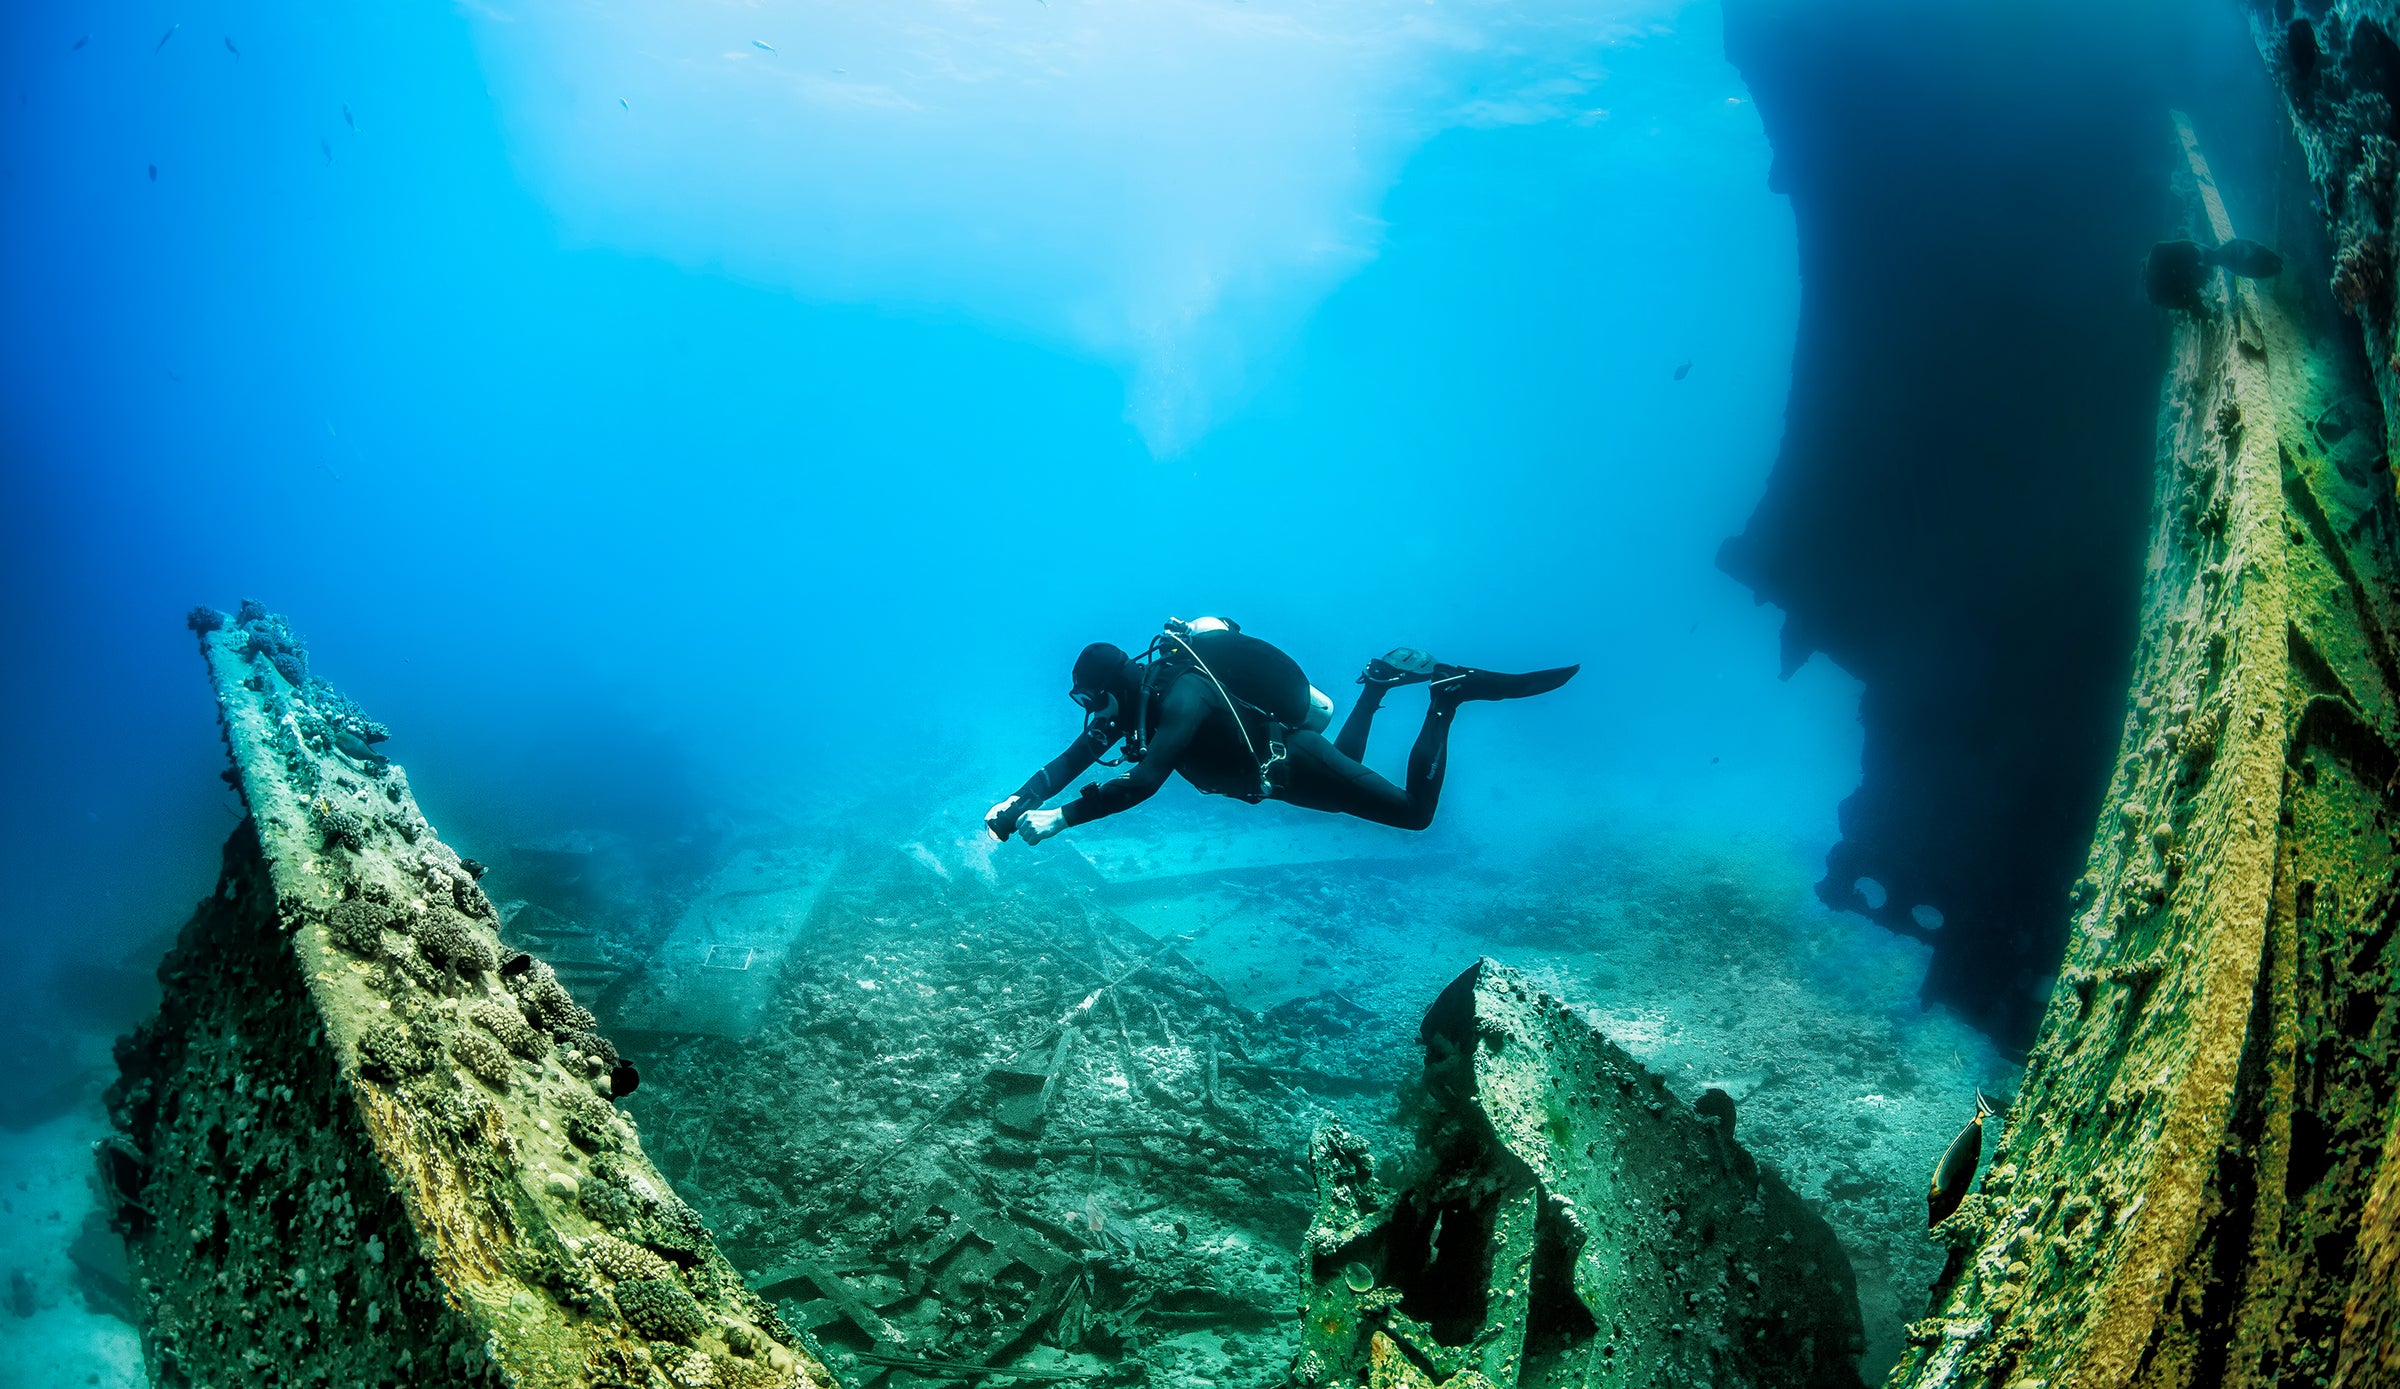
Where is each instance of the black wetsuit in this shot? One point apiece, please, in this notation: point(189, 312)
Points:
point(1193, 732)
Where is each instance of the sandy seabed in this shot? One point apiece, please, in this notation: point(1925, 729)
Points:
point(46, 1196)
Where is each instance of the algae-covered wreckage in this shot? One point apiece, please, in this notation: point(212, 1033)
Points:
point(1567, 1222)
point(364, 1142)
point(358, 1144)
point(2197, 1183)
point(2193, 1186)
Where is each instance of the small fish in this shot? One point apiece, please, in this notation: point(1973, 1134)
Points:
point(2246, 258)
point(762, 45)
point(162, 39)
point(237, 53)
point(1683, 371)
point(348, 119)
point(1956, 1171)
point(154, 173)
point(79, 43)
point(624, 103)
point(327, 146)
point(351, 744)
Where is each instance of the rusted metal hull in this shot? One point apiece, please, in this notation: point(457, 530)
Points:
point(2190, 1188)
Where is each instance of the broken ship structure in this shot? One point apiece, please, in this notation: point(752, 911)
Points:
point(2194, 1185)
point(1566, 1221)
point(358, 1144)
point(2199, 1182)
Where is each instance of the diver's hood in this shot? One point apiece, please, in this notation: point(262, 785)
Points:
point(1102, 667)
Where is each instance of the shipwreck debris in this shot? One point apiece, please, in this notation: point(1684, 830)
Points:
point(1565, 1221)
point(2194, 1184)
point(354, 1147)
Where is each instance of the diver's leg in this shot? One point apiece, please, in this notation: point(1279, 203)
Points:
point(1317, 776)
point(1402, 665)
point(1325, 776)
point(1429, 760)
point(1351, 742)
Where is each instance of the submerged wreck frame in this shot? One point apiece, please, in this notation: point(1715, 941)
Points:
point(2197, 1182)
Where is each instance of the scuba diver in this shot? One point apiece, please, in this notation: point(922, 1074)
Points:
point(1237, 718)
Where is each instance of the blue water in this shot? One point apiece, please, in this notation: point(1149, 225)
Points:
point(648, 425)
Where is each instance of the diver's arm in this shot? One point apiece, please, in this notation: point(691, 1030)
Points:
point(1051, 779)
point(1187, 707)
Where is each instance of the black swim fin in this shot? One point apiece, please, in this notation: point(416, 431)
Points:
point(1458, 684)
point(1402, 665)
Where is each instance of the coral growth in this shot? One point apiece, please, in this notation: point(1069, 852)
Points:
point(341, 827)
point(601, 1051)
point(624, 1261)
point(357, 925)
point(270, 638)
point(393, 1051)
point(507, 1024)
point(2361, 272)
point(660, 1309)
point(550, 1004)
point(267, 1244)
point(607, 1204)
point(615, 1367)
point(483, 1058)
point(445, 938)
point(316, 1146)
point(590, 1124)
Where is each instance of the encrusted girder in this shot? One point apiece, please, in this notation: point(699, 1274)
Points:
point(2190, 1188)
point(357, 1144)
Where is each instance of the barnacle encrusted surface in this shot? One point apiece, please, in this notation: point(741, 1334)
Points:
point(309, 1191)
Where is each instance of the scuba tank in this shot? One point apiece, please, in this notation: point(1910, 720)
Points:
point(1267, 693)
point(1320, 711)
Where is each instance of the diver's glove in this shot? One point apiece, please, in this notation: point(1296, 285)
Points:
point(1001, 819)
point(1039, 825)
